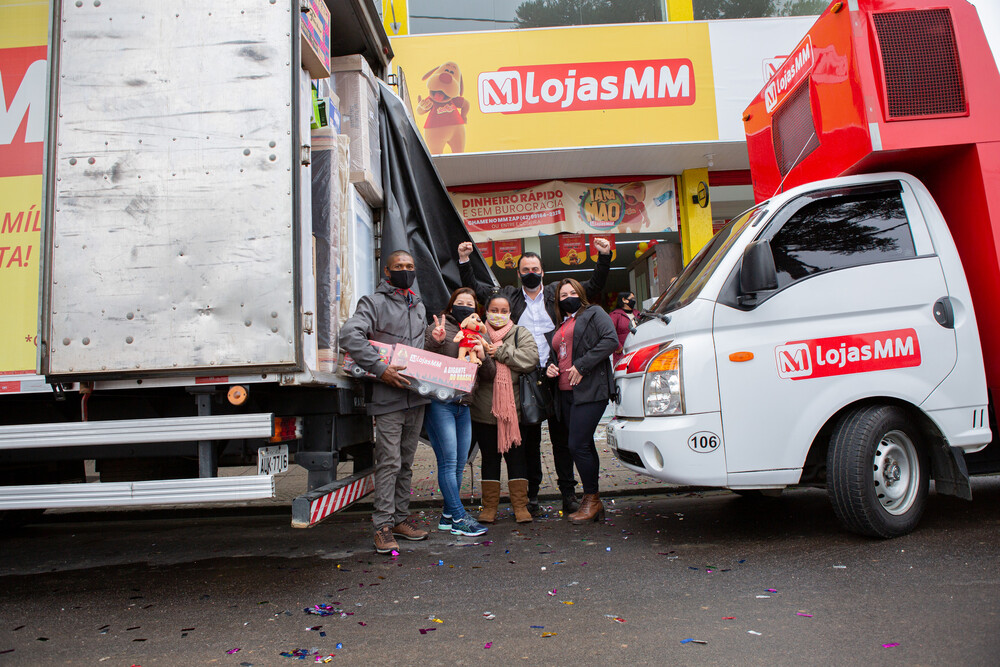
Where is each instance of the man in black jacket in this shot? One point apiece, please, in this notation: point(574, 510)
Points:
point(532, 306)
point(393, 314)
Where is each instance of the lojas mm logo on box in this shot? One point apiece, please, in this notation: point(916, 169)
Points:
point(844, 355)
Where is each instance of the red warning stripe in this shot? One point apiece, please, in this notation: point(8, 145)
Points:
point(341, 498)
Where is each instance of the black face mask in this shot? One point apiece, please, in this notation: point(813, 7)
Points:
point(402, 279)
point(531, 280)
point(570, 304)
point(630, 303)
point(461, 312)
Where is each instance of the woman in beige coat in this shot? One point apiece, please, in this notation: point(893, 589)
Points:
point(495, 411)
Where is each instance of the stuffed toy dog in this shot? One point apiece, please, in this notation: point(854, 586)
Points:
point(468, 337)
point(447, 111)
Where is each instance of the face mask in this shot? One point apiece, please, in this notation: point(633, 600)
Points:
point(461, 312)
point(570, 304)
point(402, 279)
point(630, 303)
point(531, 280)
point(497, 320)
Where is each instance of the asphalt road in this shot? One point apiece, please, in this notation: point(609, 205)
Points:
point(774, 582)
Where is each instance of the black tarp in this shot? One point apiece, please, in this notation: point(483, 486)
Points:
point(419, 216)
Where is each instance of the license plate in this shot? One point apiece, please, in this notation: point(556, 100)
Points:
point(272, 460)
point(612, 441)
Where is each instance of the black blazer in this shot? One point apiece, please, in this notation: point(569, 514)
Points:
point(515, 294)
point(594, 339)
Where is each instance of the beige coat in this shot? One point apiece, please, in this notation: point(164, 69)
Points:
point(519, 358)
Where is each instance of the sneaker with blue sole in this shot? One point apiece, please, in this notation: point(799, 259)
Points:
point(444, 523)
point(467, 526)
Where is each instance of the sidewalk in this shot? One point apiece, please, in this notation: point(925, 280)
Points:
point(615, 478)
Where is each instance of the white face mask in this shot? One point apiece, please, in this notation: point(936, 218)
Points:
point(497, 320)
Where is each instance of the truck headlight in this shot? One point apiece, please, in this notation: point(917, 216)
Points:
point(662, 392)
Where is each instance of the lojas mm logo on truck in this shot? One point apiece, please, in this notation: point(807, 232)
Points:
point(843, 355)
point(623, 84)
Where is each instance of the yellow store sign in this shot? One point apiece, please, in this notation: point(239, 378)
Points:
point(23, 31)
point(562, 87)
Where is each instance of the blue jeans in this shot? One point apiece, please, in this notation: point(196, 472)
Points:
point(449, 427)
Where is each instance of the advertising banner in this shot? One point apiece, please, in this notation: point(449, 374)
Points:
point(23, 35)
point(572, 249)
point(567, 206)
point(561, 87)
point(486, 250)
point(507, 253)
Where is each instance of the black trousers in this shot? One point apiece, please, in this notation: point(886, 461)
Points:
point(581, 422)
point(531, 440)
point(486, 436)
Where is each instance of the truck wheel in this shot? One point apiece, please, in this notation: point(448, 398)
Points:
point(877, 472)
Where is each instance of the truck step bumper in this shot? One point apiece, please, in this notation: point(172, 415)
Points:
point(129, 431)
point(120, 494)
point(312, 507)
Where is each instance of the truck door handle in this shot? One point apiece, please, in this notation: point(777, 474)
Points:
point(944, 314)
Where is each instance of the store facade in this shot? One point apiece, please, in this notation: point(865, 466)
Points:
point(549, 138)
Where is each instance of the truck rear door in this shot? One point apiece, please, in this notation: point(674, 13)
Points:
point(852, 317)
point(172, 188)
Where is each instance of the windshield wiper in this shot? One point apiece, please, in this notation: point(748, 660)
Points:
point(649, 315)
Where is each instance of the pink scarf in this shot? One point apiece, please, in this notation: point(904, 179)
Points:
point(504, 408)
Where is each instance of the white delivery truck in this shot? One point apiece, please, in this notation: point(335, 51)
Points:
point(841, 333)
point(199, 247)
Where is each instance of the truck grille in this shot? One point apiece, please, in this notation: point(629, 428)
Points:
point(793, 130)
point(920, 65)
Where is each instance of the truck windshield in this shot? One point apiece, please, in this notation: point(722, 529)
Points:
point(685, 289)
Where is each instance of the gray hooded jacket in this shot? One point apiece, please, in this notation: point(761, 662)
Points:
point(386, 317)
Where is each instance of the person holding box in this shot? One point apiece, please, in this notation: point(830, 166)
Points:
point(393, 314)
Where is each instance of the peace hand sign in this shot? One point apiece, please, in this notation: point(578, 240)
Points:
point(438, 333)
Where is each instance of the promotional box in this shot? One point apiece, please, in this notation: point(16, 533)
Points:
point(352, 369)
point(355, 84)
point(430, 374)
point(315, 31)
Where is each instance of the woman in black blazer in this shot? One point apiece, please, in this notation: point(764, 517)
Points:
point(581, 360)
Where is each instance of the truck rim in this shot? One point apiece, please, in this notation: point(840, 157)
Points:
point(896, 472)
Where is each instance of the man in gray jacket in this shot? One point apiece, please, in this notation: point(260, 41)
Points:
point(393, 314)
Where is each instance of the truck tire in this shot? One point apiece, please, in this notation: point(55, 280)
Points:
point(877, 471)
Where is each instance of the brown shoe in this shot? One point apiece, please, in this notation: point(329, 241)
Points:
point(519, 499)
point(384, 541)
point(409, 531)
point(491, 500)
point(591, 509)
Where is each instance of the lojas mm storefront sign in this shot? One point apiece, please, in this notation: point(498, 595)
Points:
point(561, 87)
point(568, 206)
point(23, 78)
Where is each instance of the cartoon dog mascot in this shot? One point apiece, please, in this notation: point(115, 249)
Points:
point(447, 111)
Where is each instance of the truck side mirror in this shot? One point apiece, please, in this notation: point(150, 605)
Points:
point(757, 273)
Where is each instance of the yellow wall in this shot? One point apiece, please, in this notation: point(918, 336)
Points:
point(696, 222)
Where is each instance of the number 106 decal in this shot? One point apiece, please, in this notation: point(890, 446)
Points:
point(704, 441)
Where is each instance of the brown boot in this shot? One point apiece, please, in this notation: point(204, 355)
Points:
point(491, 500)
point(591, 509)
point(518, 489)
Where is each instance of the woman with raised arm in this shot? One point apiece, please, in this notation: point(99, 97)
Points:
point(581, 346)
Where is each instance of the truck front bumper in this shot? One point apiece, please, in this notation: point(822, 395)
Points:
point(661, 447)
